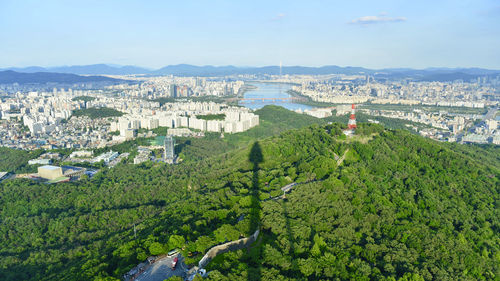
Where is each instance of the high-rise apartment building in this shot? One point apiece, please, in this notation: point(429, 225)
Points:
point(169, 153)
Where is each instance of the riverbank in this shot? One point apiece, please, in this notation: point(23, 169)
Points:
point(271, 94)
point(425, 107)
point(276, 82)
point(395, 107)
point(245, 88)
point(305, 100)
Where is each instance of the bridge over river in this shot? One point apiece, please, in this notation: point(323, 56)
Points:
point(288, 99)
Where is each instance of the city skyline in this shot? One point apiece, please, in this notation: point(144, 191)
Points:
point(379, 35)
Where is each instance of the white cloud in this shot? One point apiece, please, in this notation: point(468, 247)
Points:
point(278, 17)
point(377, 19)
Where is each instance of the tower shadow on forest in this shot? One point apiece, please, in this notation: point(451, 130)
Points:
point(254, 266)
point(288, 229)
point(289, 233)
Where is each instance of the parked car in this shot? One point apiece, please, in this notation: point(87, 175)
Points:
point(174, 262)
point(173, 253)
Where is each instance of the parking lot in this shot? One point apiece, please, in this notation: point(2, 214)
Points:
point(161, 270)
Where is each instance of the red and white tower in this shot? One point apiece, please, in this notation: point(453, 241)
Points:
point(352, 120)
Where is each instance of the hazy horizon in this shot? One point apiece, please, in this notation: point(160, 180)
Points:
point(386, 34)
point(239, 66)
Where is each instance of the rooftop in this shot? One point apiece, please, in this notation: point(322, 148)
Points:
point(50, 167)
point(72, 168)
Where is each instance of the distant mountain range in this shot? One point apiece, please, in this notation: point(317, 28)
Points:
point(429, 74)
point(103, 69)
point(9, 77)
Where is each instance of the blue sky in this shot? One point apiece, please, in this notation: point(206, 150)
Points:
point(374, 34)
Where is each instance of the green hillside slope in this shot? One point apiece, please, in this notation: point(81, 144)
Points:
point(399, 207)
point(273, 121)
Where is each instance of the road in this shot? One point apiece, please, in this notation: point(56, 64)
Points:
point(226, 247)
point(160, 270)
point(339, 161)
point(491, 113)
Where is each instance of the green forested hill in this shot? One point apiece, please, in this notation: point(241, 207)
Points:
point(16, 160)
point(273, 121)
point(400, 207)
point(95, 113)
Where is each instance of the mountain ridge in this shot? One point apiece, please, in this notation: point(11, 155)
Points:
point(211, 70)
point(10, 77)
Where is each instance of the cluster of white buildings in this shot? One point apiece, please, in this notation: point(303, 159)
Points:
point(472, 95)
point(43, 119)
point(434, 119)
point(40, 112)
point(484, 132)
point(317, 112)
point(447, 126)
point(170, 86)
point(106, 157)
point(187, 115)
point(143, 155)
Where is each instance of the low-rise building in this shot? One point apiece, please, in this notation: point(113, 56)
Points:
point(319, 112)
point(81, 153)
point(3, 175)
point(106, 157)
point(39, 161)
point(475, 138)
point(50, 172)
point(142, 156)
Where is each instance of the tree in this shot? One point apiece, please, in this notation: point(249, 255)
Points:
point(176, 241)
point(156, 248)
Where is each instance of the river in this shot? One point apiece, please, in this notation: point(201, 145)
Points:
point(270, 90)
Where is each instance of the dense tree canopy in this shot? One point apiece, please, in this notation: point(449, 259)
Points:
point(97, 112)
point(399, 207)
point(16, 160)
point(83, 98)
